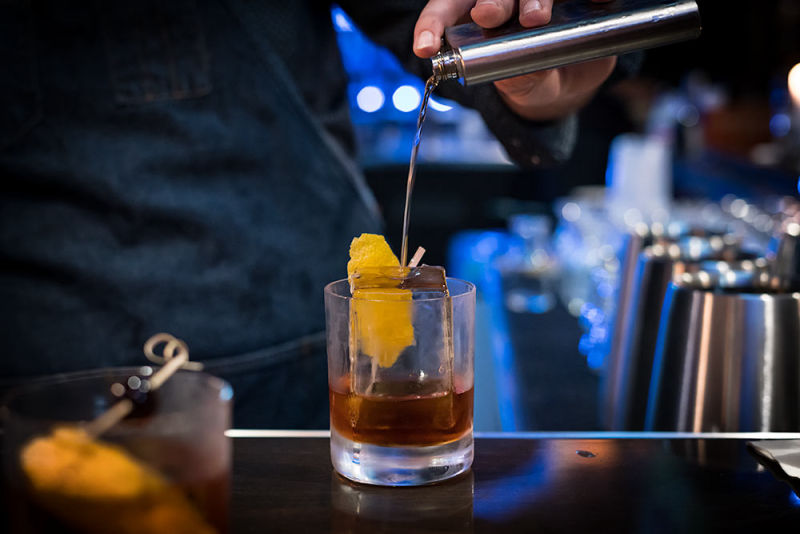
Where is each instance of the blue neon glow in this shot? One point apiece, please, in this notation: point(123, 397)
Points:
point(794, 499)
point(370, 99)
point(340, 20)
point(406, 98)
point(585, 344)
point(507, 395)
point(499, 498)
point(595, 359)
point(471, 257)
point(798, 184)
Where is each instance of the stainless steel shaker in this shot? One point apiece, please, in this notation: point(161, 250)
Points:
point(579, 30)
point(628, 383)
point(727, 358)
point(636, 240)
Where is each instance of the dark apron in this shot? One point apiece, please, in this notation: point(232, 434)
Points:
point(161, 172)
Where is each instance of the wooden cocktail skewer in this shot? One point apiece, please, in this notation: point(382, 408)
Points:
point(108, 487)
point(124, 407)
point(417, 256)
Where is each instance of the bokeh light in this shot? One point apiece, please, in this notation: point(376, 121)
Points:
point(370, 99)
point(406, 98)
point(794, 84)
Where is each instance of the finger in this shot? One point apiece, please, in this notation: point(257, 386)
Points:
point(436, 16)
point(542, 83)
point(492, 13)
point(587, 76)
point(553, 93)
point(534, 13)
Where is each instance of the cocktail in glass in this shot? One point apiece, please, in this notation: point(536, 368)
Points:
point(400, 372)
point(163, 469)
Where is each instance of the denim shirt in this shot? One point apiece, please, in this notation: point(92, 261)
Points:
point(186, 166)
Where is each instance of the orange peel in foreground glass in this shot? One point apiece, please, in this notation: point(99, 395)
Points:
point(98, 487)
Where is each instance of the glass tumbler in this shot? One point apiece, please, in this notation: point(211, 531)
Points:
point(400, 376)
point(164, 469)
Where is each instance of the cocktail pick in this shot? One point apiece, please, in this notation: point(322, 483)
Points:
point(175, 355)
point(417, 257)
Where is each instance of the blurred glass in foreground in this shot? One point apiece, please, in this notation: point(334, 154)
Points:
point(164, 469)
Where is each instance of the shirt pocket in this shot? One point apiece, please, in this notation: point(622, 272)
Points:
point(20, 96)
point(156, 50)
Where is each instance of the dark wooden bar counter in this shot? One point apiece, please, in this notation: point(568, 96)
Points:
point(535, 483)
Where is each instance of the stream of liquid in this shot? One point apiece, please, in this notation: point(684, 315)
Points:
point(430, 85)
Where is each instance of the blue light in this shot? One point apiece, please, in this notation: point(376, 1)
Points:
point(780, 124)
point(595, 359)
point(340, 20)
point(585, 345)
point(471, 256)
point(501, 497)
point(438, 106)
point(406, 98)
point(370, 99)
point(794, 499)
point(605, 290)
point(798, 184)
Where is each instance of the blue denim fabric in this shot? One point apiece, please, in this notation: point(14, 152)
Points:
point(160, 172)
point(186, 166)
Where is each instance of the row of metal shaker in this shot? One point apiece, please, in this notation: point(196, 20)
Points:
point(706, 333)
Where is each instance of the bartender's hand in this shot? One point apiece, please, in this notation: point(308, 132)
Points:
point(543, 95)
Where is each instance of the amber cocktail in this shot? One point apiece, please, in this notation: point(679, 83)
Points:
point(400, 367)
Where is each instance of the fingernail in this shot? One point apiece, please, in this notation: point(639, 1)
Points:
point(424, 40)
point(487, 3)
point(533, 5)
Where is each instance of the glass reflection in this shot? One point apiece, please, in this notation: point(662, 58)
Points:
point(441, 508)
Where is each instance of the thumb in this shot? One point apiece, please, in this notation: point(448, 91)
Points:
point(436, 16)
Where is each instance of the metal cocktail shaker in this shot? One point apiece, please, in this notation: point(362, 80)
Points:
point(627, 388)
point(727, 358)
point(579, 30)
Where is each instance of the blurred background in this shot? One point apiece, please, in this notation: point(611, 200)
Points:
point(706, 136)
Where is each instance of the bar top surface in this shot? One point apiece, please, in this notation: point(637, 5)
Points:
point(529, 482)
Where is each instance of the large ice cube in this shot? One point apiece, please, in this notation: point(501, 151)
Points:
point(424, 281)
point(400, 328)
point(428, 280)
